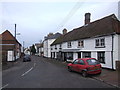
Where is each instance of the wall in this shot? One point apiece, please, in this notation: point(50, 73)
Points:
point(116, 50)
point(89, 45)
point(47, 48)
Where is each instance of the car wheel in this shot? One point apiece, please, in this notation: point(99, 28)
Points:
point(84, 74)
point(69, 69)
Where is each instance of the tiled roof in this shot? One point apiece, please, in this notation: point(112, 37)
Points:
point(53, 36)
point(105, 26)
point(6, 35)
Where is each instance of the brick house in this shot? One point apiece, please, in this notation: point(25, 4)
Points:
point(99, 39)
point(11, 48)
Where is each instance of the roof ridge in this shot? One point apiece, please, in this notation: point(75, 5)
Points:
point(96, 28)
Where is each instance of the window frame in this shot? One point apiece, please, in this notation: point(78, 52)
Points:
point(100, 43)
point(80, 43)
point(69, 44)
point(86, 56)
point(99, 57)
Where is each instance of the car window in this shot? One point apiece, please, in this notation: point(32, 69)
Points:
point(75, 62)
point(81, 62)
point(92, 62)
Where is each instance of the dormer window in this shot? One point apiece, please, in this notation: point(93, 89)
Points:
point(100, 42)
point(69, 44)
point(80, 44)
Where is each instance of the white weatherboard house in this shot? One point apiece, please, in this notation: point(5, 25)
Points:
point(47, 42)
point(99, 39)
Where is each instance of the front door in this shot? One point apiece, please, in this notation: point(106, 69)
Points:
point(79, 54)
point(10, 55)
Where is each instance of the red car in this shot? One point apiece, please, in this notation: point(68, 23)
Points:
point(85, 66)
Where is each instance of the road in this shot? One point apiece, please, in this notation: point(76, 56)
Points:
point(43, 73)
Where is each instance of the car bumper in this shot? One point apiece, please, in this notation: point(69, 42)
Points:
point(94, 71)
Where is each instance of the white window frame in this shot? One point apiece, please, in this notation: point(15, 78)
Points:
point(80, 43)
point(100, 43)
point(69, 44)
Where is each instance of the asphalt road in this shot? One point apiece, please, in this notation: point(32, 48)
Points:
point(42, 73)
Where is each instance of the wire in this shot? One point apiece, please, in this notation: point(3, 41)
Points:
point(71, 13)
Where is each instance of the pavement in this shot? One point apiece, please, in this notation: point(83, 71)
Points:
point(111, 77)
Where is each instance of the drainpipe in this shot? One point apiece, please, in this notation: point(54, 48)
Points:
point(112, 50)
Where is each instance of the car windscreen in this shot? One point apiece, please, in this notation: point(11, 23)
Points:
point(93, 62)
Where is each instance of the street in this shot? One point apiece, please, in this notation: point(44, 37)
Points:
point(42, 73)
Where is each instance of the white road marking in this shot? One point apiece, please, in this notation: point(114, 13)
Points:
point(34, 64)
point(4, 86)
point(27, 71)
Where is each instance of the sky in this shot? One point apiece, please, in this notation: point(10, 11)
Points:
point(35, 19)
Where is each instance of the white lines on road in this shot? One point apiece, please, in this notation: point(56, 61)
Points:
point(4, 86)
point(27, 71)
point(34, 64)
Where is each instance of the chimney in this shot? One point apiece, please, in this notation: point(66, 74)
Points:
point(64, 31)
point(87, 18)
point(50, 34)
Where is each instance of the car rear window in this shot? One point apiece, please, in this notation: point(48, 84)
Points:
point(93, 62)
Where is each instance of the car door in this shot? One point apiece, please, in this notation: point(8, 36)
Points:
point(80, 66)
point(75, 65)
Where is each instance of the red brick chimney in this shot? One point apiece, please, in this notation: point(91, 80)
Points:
point(87, 18)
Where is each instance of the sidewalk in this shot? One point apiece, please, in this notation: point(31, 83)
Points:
point(110, 77)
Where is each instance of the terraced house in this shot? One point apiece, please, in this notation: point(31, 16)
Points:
point(99, 39)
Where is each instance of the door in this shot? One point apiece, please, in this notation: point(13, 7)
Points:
point(75, 65)
point(10, 56)
point(79, 54)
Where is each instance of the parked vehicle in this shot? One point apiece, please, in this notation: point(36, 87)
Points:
point(85, 66)
point(26, 58)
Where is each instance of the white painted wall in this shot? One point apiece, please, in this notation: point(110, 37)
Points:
point(89, 45)
point(47, 48)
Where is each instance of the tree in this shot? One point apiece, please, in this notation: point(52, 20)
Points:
point(33, 50)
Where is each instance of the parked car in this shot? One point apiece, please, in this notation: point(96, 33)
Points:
point(26, 58)
point(85, 66)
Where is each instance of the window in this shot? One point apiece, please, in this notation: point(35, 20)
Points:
point(70, 56)
point(92, 62)
point(101, 57)
point(100, 42)
point(55, 47)
point(69, 45)
point(60, 46)
point(86, 54)
point(80, 43)
point(81, 62)
point(75, 62)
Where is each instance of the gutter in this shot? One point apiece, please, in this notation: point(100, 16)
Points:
point(112, 50)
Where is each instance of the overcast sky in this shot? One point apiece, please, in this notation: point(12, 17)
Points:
point(36, 19)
